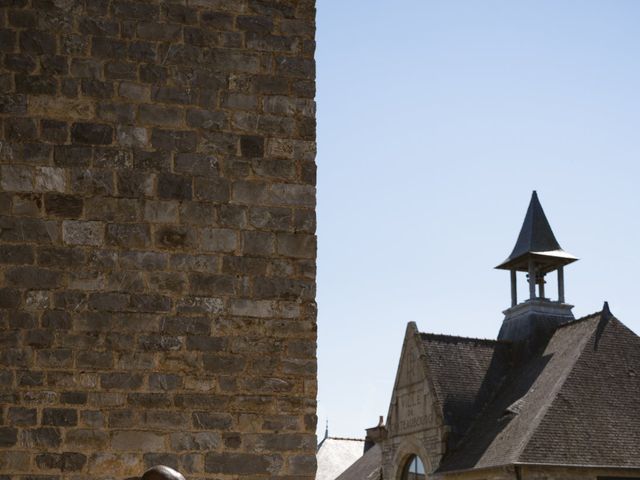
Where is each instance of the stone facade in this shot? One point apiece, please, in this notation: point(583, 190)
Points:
point(157, 246)
point(414, 424)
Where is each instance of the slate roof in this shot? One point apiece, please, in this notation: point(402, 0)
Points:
point(464, 373)
point(366, 467)
point(575, 402)
point(335, 455)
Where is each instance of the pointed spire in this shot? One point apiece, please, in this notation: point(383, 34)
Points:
point(536, 239)
point(606, 313)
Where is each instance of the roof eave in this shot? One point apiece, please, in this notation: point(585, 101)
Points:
point(552, 259)
point(532, 464)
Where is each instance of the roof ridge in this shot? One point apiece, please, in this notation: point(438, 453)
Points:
point(445, 336)
point(578, 320)
point(346, 438)
point(553, 394)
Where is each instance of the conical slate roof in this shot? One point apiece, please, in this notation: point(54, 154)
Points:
point(536, 240)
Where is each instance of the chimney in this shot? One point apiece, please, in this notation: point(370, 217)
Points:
point(375, 434)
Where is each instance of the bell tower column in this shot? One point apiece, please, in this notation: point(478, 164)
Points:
point(536, 253)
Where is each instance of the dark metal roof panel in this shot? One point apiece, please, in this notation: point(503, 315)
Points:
point(536, 238)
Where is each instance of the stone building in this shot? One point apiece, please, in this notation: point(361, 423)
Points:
point(551, 398)
point(157, 238)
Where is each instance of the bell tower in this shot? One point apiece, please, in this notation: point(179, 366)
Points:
point(536, 253)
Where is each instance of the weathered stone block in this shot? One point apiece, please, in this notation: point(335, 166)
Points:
point(241, 463)
point(157, 115)
point(129, 235)
point(22, 416)
point(121, 381)
point(92, 133)
point(174, 187)
point(44, 437)
point(82, 233)
point(65, 462)
point(219, 240)
point(62, 417)
point(50, 179)
point(137, 441)
point(196, 164)
point(68, 206)
point(17, 178)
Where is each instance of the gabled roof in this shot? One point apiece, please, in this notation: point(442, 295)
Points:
point(576, 402)
point(367, 467)
point(537, 240)
point(335, 455)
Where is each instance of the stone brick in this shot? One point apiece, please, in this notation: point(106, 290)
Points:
point(103, 463)
point(54, 131)
point(12, 461)
point(219, 240)
point(73, 398)
point(206, 119)
point(103, 47)
point(16, 254)
point(163, 381)
point(296, 245)
point(157, 115)
point(16, 178)
point(240, 463)
point(174, 237)
point(121, 381)
point(133, 91)
point(36, 84)
point(149, 400)
point(50, 179)
point(159, 343)
point(44, 437)
point(167, 459)
point(184, 141)
point(33, 277)
point(95, 359)
point(194, 441)
point(86, 438)
point(37, 42)
point(137, 441)
point(65, 462)
point(55, 358)
point(174, 187)
point(112, 112)
point(92, 133)
point(212, 189)
point(196, 164)
point(129, 235)
point(82, 233)
point(20, 129)
point(72, 156)
point(67, 206)
point(120, 71)
point(62, 417)
point(22, 416)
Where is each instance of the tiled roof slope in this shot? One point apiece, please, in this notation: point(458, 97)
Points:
point(366, 467)
point(335, 455)
point(465, 372)
point(575, 403)
point(602, 392)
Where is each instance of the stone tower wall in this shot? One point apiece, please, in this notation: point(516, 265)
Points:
point(157, 247)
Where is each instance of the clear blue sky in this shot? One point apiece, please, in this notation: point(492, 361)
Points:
point(436, 120)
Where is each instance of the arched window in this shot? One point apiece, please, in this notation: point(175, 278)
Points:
point(413, 469)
